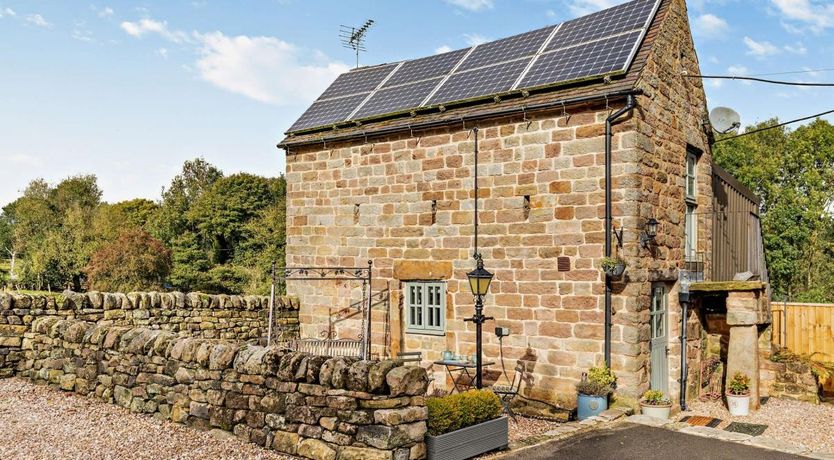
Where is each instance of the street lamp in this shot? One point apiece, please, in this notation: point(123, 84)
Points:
point(479, 280)
point(649, 233)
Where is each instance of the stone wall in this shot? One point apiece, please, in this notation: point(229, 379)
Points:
point(242, 318)
point(405, 201)
point(311, 406)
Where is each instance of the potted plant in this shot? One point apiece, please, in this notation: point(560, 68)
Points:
point(738, 394)
point(593, 391)
point(465, 425)
point(654, 404)
point(612, 266)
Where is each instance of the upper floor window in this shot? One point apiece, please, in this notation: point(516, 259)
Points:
point(425, 307)
point(691, 180)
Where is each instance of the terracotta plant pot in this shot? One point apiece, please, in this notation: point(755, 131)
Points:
point(656, 411)
point(739, 405)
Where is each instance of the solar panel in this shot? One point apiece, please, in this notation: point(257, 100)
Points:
point(428, 67)
point(526, 44)
point(480, 82)
point(588, 47)
point(622, 18)
point(396, 99)
point(596, 58)
point(323, 113)
point(357, 81)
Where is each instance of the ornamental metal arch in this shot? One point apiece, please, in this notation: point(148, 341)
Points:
point(363, 274)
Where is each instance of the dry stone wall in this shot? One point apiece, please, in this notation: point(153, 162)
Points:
point(241, 318)
point(312, 406)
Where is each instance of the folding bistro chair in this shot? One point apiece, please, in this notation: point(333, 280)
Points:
point(508, 392)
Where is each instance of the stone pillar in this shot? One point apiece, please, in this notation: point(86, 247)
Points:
point(743, 315)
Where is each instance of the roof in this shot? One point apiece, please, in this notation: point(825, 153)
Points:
point(609, 86)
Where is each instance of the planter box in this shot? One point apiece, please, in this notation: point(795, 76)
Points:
point(589, 406)
point(470, 441)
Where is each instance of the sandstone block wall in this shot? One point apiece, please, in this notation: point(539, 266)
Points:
point(242, 318)
point(311, 406)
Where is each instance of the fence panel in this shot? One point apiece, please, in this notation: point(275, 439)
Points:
point(805, 329)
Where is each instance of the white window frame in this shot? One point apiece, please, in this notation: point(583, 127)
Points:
point(424, 307)
point(691, 232)
point(691, 176)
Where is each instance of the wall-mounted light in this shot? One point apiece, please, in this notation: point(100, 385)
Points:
point(649, 233)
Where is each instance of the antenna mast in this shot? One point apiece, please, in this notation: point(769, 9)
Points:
point(354, 38)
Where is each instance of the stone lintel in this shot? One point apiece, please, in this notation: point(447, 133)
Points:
point(406, 270)
point(728, 286)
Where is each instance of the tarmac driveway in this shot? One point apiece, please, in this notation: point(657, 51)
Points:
point(641, 442)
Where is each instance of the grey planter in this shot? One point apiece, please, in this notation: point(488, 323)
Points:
point(470, 441)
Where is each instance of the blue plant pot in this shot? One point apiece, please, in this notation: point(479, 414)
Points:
point(588, 406)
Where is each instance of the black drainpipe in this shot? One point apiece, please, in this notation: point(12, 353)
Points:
point(683, 297)
point(609, 220)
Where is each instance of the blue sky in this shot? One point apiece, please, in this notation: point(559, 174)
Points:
point(130, 90)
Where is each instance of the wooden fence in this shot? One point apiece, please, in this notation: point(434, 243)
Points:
point(805, 328)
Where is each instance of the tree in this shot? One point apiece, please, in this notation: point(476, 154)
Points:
point(111, 219)
point(134, 261)
point(197, 176)
point(793, 173)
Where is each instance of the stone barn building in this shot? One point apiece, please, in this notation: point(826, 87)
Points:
point(380, 168)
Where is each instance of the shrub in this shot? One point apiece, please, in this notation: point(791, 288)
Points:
point(456, 411)
point(739, 385)
point(135, 261)
point(598, 381)
point(607, 264)
point(655, 398)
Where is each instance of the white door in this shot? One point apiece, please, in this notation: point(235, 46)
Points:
point(660, 340)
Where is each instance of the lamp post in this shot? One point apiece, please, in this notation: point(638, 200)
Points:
point(479, 280)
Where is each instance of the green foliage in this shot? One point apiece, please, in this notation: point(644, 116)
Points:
point(792, 172)
point(135, 261)
point(599, 381)
point(460, 410)
point(607, 264)
point(739, 385)
point(219, 234)
point(655, 398)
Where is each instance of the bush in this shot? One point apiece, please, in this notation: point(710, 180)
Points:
point(598, 381)
point(655, 398)
point(739, 385)
point(453, 412)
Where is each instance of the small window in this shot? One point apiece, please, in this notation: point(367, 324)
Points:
point(690, 233)
point(425, 307)
point(691, 182)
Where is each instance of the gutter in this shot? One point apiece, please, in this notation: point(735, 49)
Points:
point(609, 220)
point(562, 103)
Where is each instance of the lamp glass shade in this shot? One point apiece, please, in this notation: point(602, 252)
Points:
point(651, 227)
point(479, 280)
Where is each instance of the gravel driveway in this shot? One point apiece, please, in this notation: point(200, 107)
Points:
point(38, 422)
point(800, 423)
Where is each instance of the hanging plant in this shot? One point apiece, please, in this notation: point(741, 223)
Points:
point(612, 266)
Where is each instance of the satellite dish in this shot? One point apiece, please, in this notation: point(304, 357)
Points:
point(724, 119)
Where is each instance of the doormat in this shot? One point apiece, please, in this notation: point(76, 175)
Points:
point(747, 428)
point(700, 420)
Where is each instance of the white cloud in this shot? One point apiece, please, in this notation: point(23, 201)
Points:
point(265, 69)
point(737, 70)
point(82, 34)
point(38, 20)
point(21, 159)
point(710, 25)
point(105, 12)
point(472, 5)
point(442, 49)
point(760, 49)
point(583, 7)
point(146, 26)
point(7, 12)
point(816, 15)
point(713, 60)
point(797, 48)
point(550, 14)
point(162, 52)
point(475, 39)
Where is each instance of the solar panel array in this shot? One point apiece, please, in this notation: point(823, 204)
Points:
point(599, 44)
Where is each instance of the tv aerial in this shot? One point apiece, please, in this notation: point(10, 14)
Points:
point(354, 37)
point(724, 120)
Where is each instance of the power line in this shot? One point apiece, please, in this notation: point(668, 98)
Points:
point(762, 80)
point(746, 133)
point(790, 72)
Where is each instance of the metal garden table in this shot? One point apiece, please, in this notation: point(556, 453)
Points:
point(461, 368)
